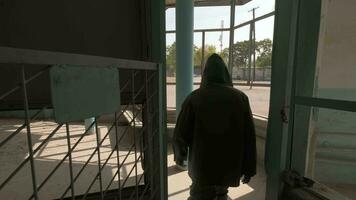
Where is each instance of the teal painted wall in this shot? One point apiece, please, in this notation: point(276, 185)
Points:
point(336, 140)
point(45, 114)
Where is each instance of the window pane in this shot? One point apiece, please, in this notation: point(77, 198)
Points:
point(331, 151)
point(211, 17)
point(243, 13)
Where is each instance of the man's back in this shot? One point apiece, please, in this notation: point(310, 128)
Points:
point(216, 124)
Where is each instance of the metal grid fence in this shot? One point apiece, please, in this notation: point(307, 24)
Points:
point(138, 121)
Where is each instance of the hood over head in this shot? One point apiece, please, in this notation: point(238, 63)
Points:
point(215, 72)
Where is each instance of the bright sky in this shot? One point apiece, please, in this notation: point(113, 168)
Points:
point(211, 17)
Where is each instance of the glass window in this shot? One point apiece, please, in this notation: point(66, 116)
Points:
point(331, 151)
point(243, 13)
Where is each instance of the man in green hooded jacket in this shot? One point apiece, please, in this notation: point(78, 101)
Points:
point(216, 125)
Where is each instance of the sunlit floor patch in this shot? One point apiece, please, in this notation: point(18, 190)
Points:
point(179, 182)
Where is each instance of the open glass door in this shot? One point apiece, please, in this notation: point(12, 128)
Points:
point(312, 127)
point(322, 124)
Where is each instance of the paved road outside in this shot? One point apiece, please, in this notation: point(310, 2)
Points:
point(258, 96)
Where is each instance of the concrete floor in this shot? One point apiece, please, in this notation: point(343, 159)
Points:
point(14, 152)
point(46, 159)
point(179, 182)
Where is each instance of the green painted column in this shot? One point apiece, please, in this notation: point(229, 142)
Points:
point(158, 55)
point(184, 51)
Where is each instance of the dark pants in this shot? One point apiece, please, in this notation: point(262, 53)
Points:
point(208, 192)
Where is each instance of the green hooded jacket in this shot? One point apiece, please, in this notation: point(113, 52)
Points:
point(216, 125)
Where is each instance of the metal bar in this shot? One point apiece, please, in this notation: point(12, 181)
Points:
point(99, 159)
point(38, 57)
point(18, 130)
point(139, 180)
point(203, 30)
point(87, 123)
point(128, 175)
point(112, 179)
point(249, 56)
point(202, 53)
point(162, 136)
point(147, 186)
point(92, 155)
point(253, 42)
point(254, 52)
point(147, 126)
point(343, 105)
point(134, 145)
point(153, 194)
point(255, 20)
point(65, 157)
point(232, 32)
point(98, 174)
point(29, 138)
point(123, 162)
point(118, 158)
point(28, 157)
point(235, 27)
point(151, 76)
point(154, 94)
point(143, 126)
point(260, 116)
point(107, 159)
point(139, 92)
point(70, 162)
point(124, 87)
point(109, 156)
point(135, 72)
point(144, 191)
point(26, 82)
point(134, 131)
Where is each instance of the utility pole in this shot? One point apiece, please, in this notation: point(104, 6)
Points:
point(253, 46)
point(202, 54)
point(221, 36)
point(231, 36)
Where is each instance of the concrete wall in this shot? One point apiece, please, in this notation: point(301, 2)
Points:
point(104, 28)
point(261, 74)
point(261, 132)
point(107, 28)
point(337, 46)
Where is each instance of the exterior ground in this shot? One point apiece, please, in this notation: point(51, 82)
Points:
point(259, 97)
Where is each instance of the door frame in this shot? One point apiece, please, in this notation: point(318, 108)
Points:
point(294, 49)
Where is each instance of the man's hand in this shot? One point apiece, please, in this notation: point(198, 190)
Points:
point(246, 179)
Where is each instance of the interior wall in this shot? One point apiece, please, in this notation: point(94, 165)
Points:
point(107, 28)
point(336, 63)
point(103, 28)
point(337, 45)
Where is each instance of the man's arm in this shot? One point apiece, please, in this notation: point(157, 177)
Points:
point(183, 132)
point(250, 155)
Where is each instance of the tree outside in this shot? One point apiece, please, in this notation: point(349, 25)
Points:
point(171, 59)
point(240, 55)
